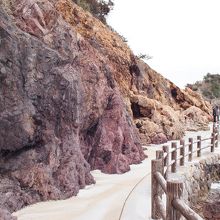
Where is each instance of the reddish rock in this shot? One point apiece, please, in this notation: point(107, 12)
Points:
point(115, 145)
point(211, 208)
point(159, 138)
point(61, 112)
point(134, 77)
point(5, 215)
point(70, 88)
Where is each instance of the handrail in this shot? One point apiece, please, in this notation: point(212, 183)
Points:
point(187, 145)
point(173, 191)
point(171, 163)
point(208, 146)
point(165, 169)
point(161, 207)
point(179, 147)
point(161, 181)
point(185, 210)
point(167, 158)
point(189, 153)
point(172, 150)
point(165, 154)
point(205, 139)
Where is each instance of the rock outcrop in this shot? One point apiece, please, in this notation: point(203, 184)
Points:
point(6, 215)
point(211, 208)
point(61, 113)
point(70, 89)
point(136, 78)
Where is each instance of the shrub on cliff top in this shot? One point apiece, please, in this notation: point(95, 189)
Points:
point(97, 8)
point(209, 87)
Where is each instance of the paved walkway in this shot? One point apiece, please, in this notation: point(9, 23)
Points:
point(101, 201)
point(138, 205)
point(113, 197)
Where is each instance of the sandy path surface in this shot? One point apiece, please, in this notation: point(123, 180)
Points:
point(138, 205)
point(101, 201)
point(113, 197)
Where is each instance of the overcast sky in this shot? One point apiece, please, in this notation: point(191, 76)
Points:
point(183, 36)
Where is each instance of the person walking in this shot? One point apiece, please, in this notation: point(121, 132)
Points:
point(217, 113)
point(214, 114)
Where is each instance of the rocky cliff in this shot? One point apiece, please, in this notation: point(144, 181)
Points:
point(157, 105)
point(73, 97)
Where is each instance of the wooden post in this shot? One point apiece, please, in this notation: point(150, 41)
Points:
point(213, 127)
point(166, 160)
point(217, 126)
point(160, 155)
point(213, 142)
point(174, 157)
point(182, 152)
point(185, 210)
point(190, 149)
point(199, 146)
point(156, 190)
point(217, 136)
point(174, 191)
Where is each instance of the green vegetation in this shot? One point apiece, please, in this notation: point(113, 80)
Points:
point(209, 87)
point(98, 8)
point(144, 56)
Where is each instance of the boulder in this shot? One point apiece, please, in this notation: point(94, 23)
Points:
point(195, 119)
point(5, 215)
point(157, 123)
point(211, 208)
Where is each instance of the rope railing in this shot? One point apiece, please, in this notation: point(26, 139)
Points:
point(166, 161)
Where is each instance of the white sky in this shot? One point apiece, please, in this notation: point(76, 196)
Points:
point(183, 36)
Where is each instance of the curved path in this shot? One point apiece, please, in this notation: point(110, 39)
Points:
point(138, 203)
point(113, 197)
point(103, 201)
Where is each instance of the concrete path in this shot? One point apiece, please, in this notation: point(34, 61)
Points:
point(138, 205)
point(101, 201)
point(113, 197)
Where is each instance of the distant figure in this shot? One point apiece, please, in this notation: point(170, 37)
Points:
point(214, 114)
point(217, 113)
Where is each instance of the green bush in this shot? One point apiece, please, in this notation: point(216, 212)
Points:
point(215, 88)
point(144, 56)
point(99, 9)
point(209, 87)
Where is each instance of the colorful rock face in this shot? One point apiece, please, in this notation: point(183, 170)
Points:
point(61, 113)
point(71, 93)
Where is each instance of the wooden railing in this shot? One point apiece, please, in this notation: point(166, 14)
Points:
point(166, 161)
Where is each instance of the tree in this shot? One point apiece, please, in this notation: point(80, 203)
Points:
point(144, 56)
point(209, 87)
point(98, 9)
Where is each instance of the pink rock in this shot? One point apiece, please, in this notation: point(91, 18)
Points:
point(61, 111)
point(5, 215)
point(159, 139)
point(211, 208)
